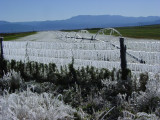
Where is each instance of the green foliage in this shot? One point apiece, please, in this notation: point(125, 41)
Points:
point(89, 108)
point(149, 105)
point(126, 74)
point(77, 116)
point(124, 85)
point(13, 36)
point(13, 64)
point(143, 81)
point(66, 76)
point(3, 67)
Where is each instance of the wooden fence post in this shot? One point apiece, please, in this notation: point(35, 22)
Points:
point(123, 54)
point(123, 59)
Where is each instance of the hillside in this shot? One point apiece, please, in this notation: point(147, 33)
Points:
point(78, 22)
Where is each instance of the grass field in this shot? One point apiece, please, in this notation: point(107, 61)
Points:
point(13, 36)
point(149, 32)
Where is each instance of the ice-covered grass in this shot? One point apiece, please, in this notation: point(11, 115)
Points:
point(32, 106)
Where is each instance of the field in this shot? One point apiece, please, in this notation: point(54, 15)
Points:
point(13, 36)
point(147, 32)
point(78, 76)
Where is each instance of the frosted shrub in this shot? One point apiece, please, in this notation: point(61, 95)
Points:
point(150, 99)
point(145, 116)
point(153, 86)
point(144, 101)
point(139, 116)
point(32, 106)
point(109, 83)
point(11, 80)
point(157, 111)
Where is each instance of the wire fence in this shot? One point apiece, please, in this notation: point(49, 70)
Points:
point(99, 55)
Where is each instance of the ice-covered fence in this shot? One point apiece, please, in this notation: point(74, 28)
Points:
point(14, 50)
point(68, 46)
point(92, 54)
point(143, 51)
point(101, 55)
point(144, 46)
point(29, 50)
point(105, 55)
point(141, 46)
point(98, 64)
point(144, 67)
point(149, 57)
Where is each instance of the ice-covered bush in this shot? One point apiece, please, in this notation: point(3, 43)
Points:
point(149, 100)
point(145, 116)
point(11, 80)
point(143, 101)
point(39, 87)
point(32, 106)
point(139, 116)
point(109, 83)
point(153, 86)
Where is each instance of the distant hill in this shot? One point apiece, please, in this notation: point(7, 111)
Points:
point(79, 22)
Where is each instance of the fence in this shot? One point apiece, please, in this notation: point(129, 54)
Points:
point(27, 50)
point(100, 55)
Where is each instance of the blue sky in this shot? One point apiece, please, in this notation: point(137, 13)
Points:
point(41, 10)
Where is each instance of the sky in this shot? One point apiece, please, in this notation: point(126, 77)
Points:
point(41, 10)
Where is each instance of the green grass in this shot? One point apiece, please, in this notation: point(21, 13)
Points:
point(148, 32)
point(13, 36)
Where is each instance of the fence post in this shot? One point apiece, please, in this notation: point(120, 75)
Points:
point(123, 59)
point(123, 54)
point(1, 45)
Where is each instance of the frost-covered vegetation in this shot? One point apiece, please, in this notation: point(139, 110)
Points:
point(42, 91)
point(32, 106)
point(73, 78)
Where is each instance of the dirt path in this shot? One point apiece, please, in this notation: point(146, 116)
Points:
point(42, 36)
point(51, 36)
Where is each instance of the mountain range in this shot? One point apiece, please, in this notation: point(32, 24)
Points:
point(78, 22)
